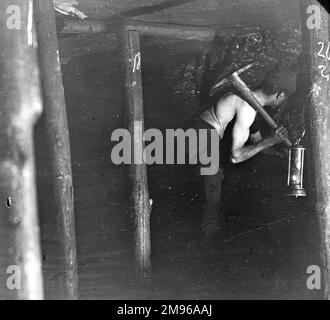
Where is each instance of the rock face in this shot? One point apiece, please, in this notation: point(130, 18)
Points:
point(267, 50)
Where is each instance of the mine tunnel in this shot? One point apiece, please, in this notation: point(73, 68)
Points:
point(79, 225)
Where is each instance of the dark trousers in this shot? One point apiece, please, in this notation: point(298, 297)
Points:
point(213, 213)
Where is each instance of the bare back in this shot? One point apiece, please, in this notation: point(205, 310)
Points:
point(229, 107)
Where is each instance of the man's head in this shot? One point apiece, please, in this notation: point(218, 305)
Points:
point(277, 86)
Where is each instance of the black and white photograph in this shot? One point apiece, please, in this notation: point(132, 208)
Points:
point(164, 150)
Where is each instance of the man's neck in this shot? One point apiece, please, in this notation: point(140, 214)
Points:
point(261, 97)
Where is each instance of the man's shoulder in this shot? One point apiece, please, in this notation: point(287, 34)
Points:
point(229, 95)
point(229, 99)
point(231, 102)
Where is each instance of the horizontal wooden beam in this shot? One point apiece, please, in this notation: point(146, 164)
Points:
point(175, 31)
point(87, 26)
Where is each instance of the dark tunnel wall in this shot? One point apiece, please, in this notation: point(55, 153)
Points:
point(176, 78)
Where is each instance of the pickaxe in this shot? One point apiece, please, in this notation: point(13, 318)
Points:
point(235, 80)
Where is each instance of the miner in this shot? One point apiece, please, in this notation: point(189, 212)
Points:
point(232, 111)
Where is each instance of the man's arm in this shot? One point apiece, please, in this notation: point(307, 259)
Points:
point(255, 137)
point(271, 151)
point(242, 152)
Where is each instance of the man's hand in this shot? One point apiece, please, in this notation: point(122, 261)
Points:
point(280, 135)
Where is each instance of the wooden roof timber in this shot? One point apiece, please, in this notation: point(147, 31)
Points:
point(176, 31)
point(95, 36)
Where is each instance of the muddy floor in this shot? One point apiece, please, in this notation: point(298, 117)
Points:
point(263, 252)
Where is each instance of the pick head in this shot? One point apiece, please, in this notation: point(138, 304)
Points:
point(241, 70)
point(227, 78)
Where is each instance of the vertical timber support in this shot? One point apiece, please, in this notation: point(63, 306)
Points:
point(316, 55)
point(56, 133)
point(20, 106)
point(130, 46)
